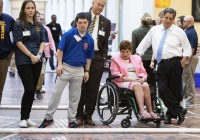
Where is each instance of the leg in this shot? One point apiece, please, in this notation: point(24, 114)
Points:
point(139, 94)
point(29, 75)
point(163, 77)
point(3, 73)
point(74, 93)
point(92, 86)
point(41, 80)
point(56, 96)
point(51, 60)
point(190, 84)
point(12, 65)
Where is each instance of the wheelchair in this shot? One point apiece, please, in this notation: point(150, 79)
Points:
point(113, 101)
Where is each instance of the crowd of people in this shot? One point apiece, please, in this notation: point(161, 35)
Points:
point(168, 47)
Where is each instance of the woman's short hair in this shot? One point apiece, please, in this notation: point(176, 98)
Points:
point(125, 44)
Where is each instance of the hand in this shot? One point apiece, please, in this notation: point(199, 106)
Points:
point(184, 61)
point(59, 70)
point(151, 65)
point(141, 80)
point(55, 53)
point(34, 59)
point(86, 77)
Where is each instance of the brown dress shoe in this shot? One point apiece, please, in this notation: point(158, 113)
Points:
point(89, 122)
point(79, 122)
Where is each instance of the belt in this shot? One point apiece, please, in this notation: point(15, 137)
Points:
point(170, 59)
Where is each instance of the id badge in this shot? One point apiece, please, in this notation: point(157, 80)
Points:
point(26, 33)
point(102, 33)
point(54, 28)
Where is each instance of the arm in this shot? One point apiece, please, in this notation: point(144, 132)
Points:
point(134, 42)
point(51, 41)
point(87, 70)
point(145, 43)
point(59, 69)
point(105, 42)
point(34, 59)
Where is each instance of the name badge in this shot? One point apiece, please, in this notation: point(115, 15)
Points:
point(77, 38)
point(26, 33)
point(102, 33)
point(53, 28)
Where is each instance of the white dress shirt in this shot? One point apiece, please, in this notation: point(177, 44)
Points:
point(95, 32)
point(176, 42)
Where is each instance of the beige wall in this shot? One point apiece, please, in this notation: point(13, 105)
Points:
point(182, 7)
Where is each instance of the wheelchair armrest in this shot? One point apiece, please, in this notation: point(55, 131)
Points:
point(112, 77)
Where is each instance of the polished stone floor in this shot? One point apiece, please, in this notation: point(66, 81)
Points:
point(10, 114)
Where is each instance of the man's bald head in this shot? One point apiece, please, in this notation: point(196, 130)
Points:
point(188, 21)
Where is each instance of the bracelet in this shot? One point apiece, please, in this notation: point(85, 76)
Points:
point(152, 60)
point(87, 71)
point(39, 53)
point(29, 54)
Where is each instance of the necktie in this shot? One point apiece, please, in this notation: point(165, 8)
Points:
point(91, 27)
point(160, 48)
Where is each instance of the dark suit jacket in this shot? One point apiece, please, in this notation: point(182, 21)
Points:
point(105, 26)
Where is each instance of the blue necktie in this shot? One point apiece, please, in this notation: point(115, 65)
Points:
point(160, 48)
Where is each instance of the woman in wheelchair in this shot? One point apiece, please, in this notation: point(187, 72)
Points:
point(133, 76)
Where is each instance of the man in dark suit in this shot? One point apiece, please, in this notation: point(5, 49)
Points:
point(100, 33)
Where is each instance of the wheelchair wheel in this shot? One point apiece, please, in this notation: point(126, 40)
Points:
point(107, 103)
point(126, 123)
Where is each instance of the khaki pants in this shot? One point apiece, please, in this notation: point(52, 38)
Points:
point(3, 73)
point(74, 77)
point(41, 79)
point(188, 79)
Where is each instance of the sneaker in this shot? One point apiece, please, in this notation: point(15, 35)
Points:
point(11, 74)
point(39, 94)
point(31, 123)
point(23, 124)
point(46, 123)
point(72, 125)
point(189, 104)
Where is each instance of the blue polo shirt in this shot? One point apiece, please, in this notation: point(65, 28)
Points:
point(192, 37)
point(76, 49)
point(6, 26)
point(31, 37)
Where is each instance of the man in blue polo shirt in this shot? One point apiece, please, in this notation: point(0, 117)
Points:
point(189, 70)
point(75, 50)
point(6, 47)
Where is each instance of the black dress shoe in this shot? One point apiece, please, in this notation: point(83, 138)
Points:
point(72, 125)
point(181, 116)
point(46, 123)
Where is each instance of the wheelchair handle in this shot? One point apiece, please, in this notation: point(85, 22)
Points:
point(112, 77)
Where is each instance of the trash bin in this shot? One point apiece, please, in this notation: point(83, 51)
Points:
point(197, 79)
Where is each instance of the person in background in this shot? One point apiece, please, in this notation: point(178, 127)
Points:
point(189, 70)
point(137, 36)
point(171, 53)
point(30, 40)
point(75, 51)
point(49, 44)
point(56, 32)
point(159, 18)
point(179, 22)
point(99, 29)
point(132, 76)
point(6, 46)
point(12, 66)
